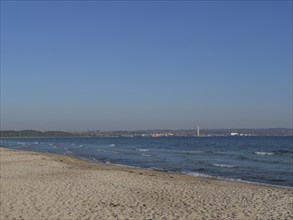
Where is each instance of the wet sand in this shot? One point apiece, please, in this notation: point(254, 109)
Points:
point(46, 186)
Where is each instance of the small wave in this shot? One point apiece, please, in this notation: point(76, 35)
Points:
point(264, 153)
point(194, 152)
point(115, 152)
point(198, 174)
point(264, 160)
point(112, 145)
point(280, 152)
point(159, 169)
point(198, 162)
point(108, 151)
point(37, 142)
point(146, 155)
point(242, 158)
point(199, 169)
point(142, 150)
point(224, 165)
point(277, 180)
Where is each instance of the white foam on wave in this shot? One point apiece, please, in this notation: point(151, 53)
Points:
point(224, 165)
point(142, 150)
point(112, 145)
point(264, 153)
point(107, 151)
point(159, 169)
point(194, 152)
point(198, 174)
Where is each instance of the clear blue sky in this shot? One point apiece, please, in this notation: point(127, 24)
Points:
point(75, 65)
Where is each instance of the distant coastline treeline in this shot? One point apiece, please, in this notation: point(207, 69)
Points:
point(34, 133)
point(146, 133)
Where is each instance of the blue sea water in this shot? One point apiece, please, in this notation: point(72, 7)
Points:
point(267, 160)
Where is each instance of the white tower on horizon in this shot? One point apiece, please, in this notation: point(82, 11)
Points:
point(197, 131)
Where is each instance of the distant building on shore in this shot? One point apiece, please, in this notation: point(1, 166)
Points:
point(234, 134)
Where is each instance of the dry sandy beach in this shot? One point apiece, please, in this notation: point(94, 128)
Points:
point(45, 186)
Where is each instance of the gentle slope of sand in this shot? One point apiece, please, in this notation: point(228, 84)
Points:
point(43, 186)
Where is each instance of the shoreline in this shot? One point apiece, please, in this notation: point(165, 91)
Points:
point(32, 181)
point(188, 174)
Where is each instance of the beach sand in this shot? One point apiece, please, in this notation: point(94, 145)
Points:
point(45, 186)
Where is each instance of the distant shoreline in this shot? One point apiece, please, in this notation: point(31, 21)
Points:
point(42, 137)
point(147, 133)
